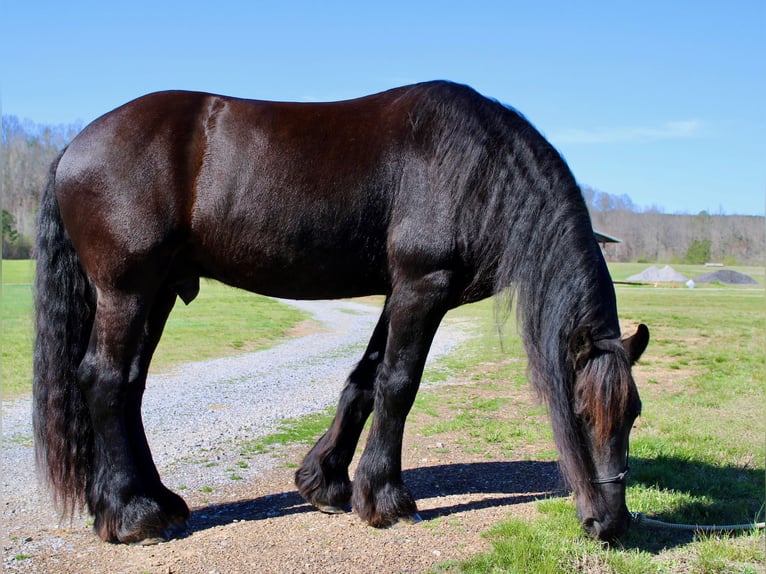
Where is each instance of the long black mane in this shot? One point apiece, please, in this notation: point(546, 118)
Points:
point(525, 223)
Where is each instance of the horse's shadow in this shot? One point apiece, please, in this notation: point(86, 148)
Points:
point(504, 483)
point(717, 495)
point(728, 494)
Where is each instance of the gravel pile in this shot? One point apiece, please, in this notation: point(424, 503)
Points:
point(654, 275)
point(726, 276)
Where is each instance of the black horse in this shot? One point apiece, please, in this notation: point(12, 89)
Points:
point(429, 194)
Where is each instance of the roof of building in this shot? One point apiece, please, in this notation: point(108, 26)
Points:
point(605, 238)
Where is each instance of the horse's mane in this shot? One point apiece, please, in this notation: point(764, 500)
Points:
point(567, 286)
point(547, 260)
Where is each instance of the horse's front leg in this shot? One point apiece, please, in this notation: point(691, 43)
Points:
point(416, 309)
point(322, 478)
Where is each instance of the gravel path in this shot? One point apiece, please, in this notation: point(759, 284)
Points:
point(239, 398)
point(196, 415)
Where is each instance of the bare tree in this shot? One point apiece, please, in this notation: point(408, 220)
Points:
point(26, 154)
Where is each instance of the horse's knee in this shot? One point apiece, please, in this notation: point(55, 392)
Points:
point(396, 393)
point(104, 388)
point(87, 373)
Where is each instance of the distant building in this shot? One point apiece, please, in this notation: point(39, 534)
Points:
point(603, 238)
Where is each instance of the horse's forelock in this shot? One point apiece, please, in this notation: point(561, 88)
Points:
point(604, 389)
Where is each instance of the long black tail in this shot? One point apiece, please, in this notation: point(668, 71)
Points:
point(64, 306)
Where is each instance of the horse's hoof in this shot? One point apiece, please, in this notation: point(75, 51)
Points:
point(331, 509)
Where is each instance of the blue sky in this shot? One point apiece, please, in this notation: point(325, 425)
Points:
point(659, 100)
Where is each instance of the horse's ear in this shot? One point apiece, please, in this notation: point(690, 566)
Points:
point(580, 347)
point(636, 344)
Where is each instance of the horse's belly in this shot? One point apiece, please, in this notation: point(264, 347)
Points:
point(296, 268)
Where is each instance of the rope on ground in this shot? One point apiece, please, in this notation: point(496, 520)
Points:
point(639, 519)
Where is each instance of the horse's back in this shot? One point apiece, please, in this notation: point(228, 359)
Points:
point(290, 199)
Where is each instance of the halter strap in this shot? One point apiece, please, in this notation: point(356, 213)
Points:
point(617, 478)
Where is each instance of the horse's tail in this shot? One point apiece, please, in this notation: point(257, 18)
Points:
point(64, 306)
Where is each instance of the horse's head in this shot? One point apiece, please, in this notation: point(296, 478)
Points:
point(606, 403)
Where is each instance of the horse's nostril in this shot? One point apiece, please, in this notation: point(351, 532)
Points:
point(592, 527)
point(607, 531)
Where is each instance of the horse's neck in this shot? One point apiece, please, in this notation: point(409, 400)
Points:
point(575, 289)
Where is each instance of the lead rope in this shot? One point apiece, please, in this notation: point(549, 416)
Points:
point(640, 519)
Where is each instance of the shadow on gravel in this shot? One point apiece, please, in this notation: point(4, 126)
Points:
point(503, 483)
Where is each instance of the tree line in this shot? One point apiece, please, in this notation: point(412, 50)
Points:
point(647, 235)
point(25, 157)
point(653, 236)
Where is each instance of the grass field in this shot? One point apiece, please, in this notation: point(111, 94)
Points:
point(697, 451)
point(621, 271)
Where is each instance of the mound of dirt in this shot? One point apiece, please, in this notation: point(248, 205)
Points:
point(653, 275)
point(726, 276)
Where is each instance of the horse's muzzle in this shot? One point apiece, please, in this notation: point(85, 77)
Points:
point(608, 529)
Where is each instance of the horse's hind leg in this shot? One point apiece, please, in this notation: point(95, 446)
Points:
point(322, 478)
point(124, 492)
point(174, 511)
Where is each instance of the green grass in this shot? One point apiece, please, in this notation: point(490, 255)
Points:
point(16, 327)
point(697, 452)
point(302, 430)
point(221, 321)
point(550, 544)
